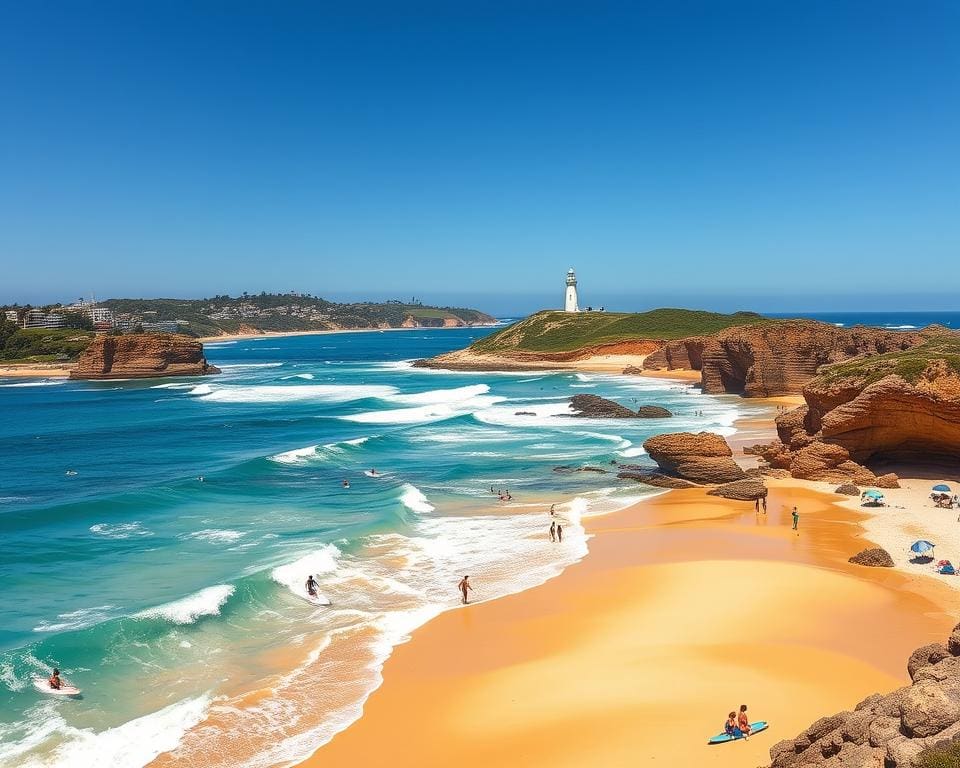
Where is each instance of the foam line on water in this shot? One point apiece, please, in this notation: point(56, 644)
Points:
point(266, 393)
point(414, 500)
point(206, 602)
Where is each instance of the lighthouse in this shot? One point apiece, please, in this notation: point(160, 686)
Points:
point(570, 301)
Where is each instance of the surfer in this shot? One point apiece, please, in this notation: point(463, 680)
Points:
point(463, 586)
point(373, 472)
point(743, 722)
point(55, 682)
point(345, 483)
point(731, 728)
point(312, 586)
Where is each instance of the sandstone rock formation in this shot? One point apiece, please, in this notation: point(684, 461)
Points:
point(142, 355)
point(700, 458)
point(900, 408)
point(749, 489)
point(890, 730)
point(654, 478)
point(596, 407)
point(774, 358)
point(875, 557)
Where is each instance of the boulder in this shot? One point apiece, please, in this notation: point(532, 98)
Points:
point(953, 642)
point(142, 355)
point(653, 412)
point(524, 413)
point(847, 489)
point(926, 656)
point(874, 557)
point(654, 478)
point(632, 370)
point(595, 407)
point(700, 458)
point(928, 708)
point(741, 490)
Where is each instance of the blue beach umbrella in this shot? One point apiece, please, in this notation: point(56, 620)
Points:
point(921, 546)
point(873, 494)
point(941, 488)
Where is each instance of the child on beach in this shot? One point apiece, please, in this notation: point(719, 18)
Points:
point(731, 728)
point(796, 518)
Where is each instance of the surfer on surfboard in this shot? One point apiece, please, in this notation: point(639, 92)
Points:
point(55, 682)
point(312, 586)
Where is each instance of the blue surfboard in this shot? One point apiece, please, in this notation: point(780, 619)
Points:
point(725, 738)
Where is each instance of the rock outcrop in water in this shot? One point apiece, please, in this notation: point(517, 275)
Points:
point(777, 358)
point(142, 355)
point(700, 458)
point(596, 407)
point(891, 730)
point(902, 408)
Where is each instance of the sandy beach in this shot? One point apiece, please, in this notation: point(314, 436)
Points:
point(686, 606)
point(32, 370)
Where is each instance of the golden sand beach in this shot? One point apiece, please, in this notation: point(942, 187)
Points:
point(686, 607)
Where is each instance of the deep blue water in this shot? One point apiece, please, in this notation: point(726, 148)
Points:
point(893, 320)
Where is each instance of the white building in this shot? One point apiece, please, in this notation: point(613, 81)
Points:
point(570, 301)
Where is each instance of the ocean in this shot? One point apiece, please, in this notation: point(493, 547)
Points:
point(173, 602)
point(177, 604)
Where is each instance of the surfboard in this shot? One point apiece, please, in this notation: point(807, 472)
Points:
point(44, 687)
point(726, 738)
point(319, 601)
point(371, 473)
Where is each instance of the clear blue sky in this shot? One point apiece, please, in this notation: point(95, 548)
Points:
point(763, 155)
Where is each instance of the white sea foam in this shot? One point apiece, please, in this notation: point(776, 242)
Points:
point(216, 535)
point(302, 455)
point(435, 396)
point(133, 744)
point(235, 366)
point(174, 385)
point(425, 414)
point(43, 383)
point(83, 617)
point(298, 376)
point(413, 499)
point(323, 393)
point(293, 575)
point(296, 456)
point(120, 530)
point(552, 414)
point(206, 602)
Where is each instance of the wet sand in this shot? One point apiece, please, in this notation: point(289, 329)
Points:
point(686, 607)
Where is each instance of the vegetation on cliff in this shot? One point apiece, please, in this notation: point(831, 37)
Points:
point(553, 331)
point(289, 312)
point(908, 364)
point(40, 345)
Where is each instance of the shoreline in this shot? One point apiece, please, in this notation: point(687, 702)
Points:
point(36, 370)
point(562, 658)
point(328, 331)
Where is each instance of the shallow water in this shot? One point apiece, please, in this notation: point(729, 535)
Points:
point(166, 599)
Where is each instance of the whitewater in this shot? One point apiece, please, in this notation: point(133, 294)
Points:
point(178, 605)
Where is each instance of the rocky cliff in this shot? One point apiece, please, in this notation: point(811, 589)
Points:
point(142, 355)
point(776, 358)
point(897, 730)
point(901, 407)
point(701, 458)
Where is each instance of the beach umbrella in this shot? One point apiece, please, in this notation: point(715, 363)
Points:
point(941, 488)
point(921, 546)
point(873, 494)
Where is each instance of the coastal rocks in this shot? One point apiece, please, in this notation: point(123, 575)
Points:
point(847, 489)
point(142, 355)
point(893, 730)
point(596, 407)
point(632, 370)
point(874, 557)
point(653, 412)
point(775, 358)
point(701, 458)
point(524, 413)
point(740, 490)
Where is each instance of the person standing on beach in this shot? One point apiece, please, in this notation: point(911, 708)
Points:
point(796, 518)
point(463, 586)
point(553, 531)
point(560, 533)
point(756, 504)
point(764, 500)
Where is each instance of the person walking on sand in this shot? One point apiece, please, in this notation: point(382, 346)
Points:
point(553, 531)
point(796, 518)
point(463, 586)
point(560, 533)
point(756, 505)
point(764, 500)
point(552, 508)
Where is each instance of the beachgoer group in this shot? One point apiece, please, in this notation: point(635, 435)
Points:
point(738, 725)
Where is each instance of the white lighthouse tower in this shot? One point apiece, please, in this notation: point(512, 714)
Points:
point(570, 301)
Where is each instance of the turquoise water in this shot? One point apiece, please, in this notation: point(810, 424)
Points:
point(168, 600)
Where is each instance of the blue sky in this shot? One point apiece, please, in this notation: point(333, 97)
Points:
point(761, 155)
